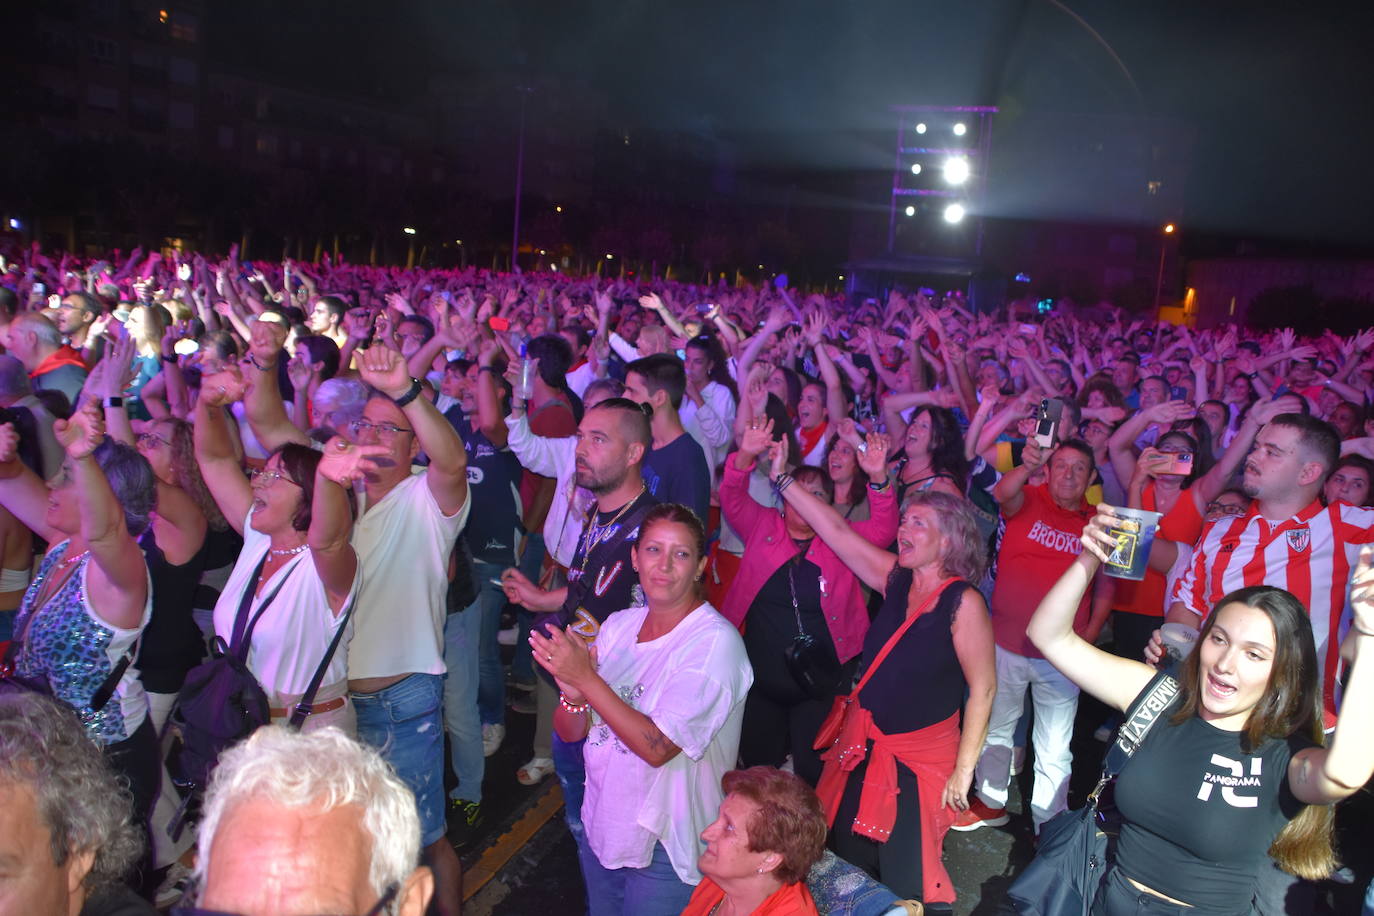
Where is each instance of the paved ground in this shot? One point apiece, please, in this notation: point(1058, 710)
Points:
point(524, 862)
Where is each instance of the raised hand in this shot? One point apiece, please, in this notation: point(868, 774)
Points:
point(223, 388)
point(757, 438)
point(344, 462)
point(265, 342)
point(1097, 535)
point(384, 369)
point(81, 434)
point(299, 371)
point(872, 459)
point(813, 329)
point(358, 324)
point(777, 457)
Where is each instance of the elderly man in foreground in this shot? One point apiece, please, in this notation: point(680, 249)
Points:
point(314, 823)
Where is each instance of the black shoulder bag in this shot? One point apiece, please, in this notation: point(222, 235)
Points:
point(1073, 855)
point(221, 702)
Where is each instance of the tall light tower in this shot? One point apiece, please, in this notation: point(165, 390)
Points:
point(939, 180)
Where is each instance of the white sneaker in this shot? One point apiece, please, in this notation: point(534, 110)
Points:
point(492, 736)
point(508, 636)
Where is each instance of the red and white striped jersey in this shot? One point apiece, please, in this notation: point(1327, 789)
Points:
point(1311, 555)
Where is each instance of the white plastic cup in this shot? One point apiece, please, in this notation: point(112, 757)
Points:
point(1178, 639)
point(525, 390)
point(1134, 531)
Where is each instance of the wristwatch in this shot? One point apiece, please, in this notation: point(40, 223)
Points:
point(411, 393)
point(114, 401)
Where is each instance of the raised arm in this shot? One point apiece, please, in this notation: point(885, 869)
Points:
point(214, 444)
point(489, 418)
point(1113, 680)
point(263, 406)
point(447, 477)
point(870, 563)
point(119, 580)
point(331, 522)
point(1009, 491)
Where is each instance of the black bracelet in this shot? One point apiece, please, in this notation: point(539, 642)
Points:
point(114, 401)
point(410, 395)
point(880, 487)
point(782, 482)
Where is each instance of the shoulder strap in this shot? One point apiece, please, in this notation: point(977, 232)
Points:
point(243, 636)
point(1147, 709)
point(901, 631)
point(306, 706)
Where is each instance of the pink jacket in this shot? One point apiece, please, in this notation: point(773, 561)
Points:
point(767, 546)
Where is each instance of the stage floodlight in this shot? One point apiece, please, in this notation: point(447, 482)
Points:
point(960, 129)
point(910, 211)
point(954, 213)
point(921, 127)
point(916, 168)
point(956, 170)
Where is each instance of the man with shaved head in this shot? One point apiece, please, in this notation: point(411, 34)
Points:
point(612, 440)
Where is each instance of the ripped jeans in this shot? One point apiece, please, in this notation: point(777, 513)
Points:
point(405, 723)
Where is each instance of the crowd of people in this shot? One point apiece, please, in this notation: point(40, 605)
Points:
point(780, 570)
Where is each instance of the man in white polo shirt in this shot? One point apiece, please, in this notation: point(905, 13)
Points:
point(407, 525)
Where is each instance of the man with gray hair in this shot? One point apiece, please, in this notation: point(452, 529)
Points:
point(308, 823)
point(66, 832)
point(51, 366)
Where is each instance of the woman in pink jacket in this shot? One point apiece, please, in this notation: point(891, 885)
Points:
point(800, 608)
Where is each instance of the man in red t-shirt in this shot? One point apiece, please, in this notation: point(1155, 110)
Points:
point(1044, 523)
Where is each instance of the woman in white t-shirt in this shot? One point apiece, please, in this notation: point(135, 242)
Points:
point(297, 561)
point(659, 700)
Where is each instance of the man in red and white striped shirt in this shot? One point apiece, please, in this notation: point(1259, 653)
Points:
point(1287, 539)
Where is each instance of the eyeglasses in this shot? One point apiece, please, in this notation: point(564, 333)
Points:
point(266, 477)
point(1215, 508)
point(386, 432)
point(377, 908)
point(149, 440)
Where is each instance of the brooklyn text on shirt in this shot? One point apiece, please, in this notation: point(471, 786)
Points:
point(1054, 539)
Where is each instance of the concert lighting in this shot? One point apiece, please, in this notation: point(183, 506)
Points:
point(954, 213)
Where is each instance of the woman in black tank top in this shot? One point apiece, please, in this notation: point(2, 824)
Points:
point(1233, 775)
point(930, 643)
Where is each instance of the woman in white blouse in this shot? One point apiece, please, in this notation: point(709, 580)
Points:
point(660, 701)
point(296, 561)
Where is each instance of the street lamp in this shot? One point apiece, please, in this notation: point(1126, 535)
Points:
point(408, 230)
point(1168, 230)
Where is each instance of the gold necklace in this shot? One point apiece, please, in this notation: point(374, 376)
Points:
point(592, 527)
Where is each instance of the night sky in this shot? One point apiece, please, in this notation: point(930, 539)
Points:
point(1276, 93)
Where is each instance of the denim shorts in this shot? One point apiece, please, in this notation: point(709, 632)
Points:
point(405, 722)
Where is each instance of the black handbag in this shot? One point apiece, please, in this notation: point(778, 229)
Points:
point(221, 702)
point(1073, 855)
point(812, 665)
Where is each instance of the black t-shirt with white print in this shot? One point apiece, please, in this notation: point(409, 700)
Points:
point(1199, 814)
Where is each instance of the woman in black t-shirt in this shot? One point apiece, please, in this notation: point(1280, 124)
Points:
point(1236, 773)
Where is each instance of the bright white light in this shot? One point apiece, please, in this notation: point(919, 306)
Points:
point(910, 211)
point(916, 168)
point(960, 129)
point(954, 213)
point(557, 209)
point(14, 223)
point(921, 128)
point(610, 257)
point(553, 267)
point(841, 276)
point(458, 241)
point(408, 230)
point(956, 170)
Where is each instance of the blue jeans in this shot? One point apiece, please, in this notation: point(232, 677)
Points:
point(7, 625)
point(461, 633)
point(404, 722)
point(531, 562)
point(654, 890)
point(491, 683)
point(572, 779)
